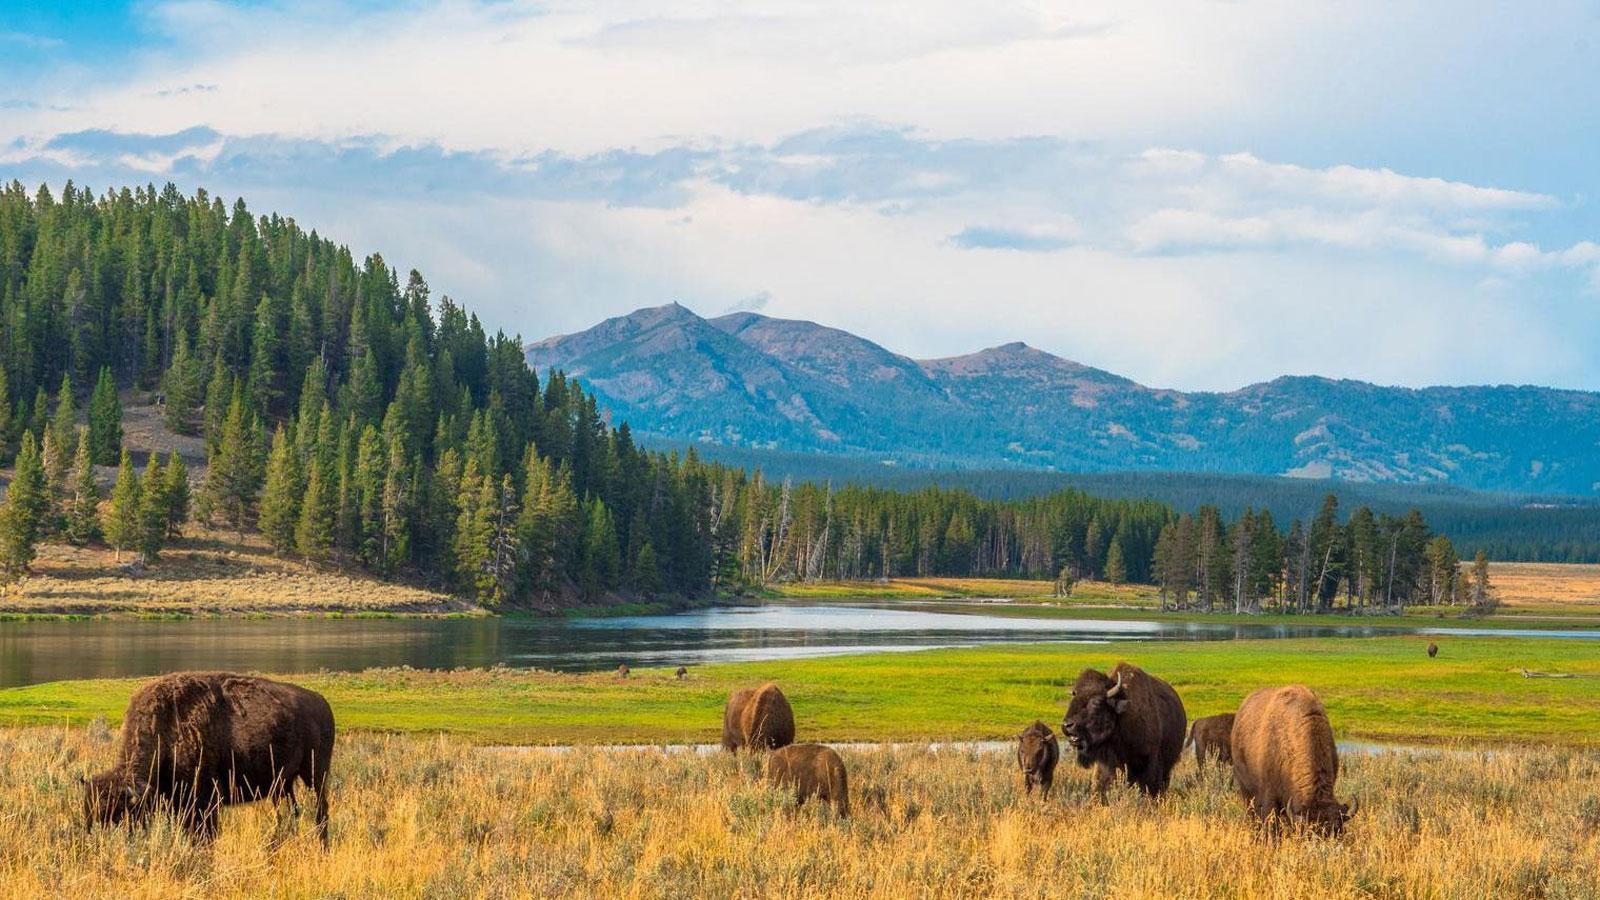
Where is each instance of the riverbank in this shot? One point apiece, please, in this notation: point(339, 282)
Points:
point(209, 574)
point(1380, 689)
point(435, 817)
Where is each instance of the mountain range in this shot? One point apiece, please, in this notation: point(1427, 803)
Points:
point(750, 381)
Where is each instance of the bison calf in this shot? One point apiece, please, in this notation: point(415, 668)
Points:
point(1037, 755)
point(1212, 737)
point(195, 742)
point(1128, 721)
point(757, 719)
point(1284, 759)
point(811, 770)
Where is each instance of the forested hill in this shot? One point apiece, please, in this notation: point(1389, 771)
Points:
point(356, 420)
point(745, 380)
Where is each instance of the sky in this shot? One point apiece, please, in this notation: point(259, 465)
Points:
point(1197, 195)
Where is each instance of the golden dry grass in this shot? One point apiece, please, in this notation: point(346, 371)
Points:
point(207, 573)
point(416, 817)
point(1549, 587)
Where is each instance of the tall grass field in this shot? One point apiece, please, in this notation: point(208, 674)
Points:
point(438, 817)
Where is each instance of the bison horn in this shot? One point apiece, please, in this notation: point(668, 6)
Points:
point(1116, 689)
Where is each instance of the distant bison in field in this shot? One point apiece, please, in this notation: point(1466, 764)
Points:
point(811, 770)
point(1433, 649)
point(1212, 737)
point(1128, 721)
point(757, 719)
point(195, 742)
point(1037, 755)
point(1284, 759)
point(623, 670)
point(682, 673)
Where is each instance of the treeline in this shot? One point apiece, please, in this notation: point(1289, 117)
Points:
point(1369, 561)
point(1508, 527)
point(349, 415)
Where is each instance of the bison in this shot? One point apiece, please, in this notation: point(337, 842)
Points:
point(195, 742)
point(1212, 736)
point(682, 673)
point(1037, 755)
point(757, 719)
point(1433, 649)
point(1284, 759)
point(1127, 720)
point(623, 670)
point(811, 770)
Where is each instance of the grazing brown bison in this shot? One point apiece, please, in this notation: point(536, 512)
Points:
point(682, 673)
point(1127, 720)
point(623, 670)
point(1433, 649)
point(811, 770)
point(757, 719)
point(198, 741)
point(1212, 736)
point(1284, 759)
point(1037, 755)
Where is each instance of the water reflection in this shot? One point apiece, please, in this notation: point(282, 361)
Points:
point(32, 652)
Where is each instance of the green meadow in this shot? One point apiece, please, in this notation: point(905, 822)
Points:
point(1380, 689)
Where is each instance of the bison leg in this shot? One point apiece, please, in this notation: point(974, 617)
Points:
point(1103, 774)
point(1044, 786)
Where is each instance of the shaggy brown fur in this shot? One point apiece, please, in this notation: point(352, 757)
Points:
point(811, 770)
point(758, 719)
point(1212, 736)
point(1127, 720)
point(623, 670)
point(682, 672)
point(1037, 755)
point(1285, 761)
point(1433, 649)
point(198, 741)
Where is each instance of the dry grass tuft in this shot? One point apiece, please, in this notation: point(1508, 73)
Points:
point(434, 817)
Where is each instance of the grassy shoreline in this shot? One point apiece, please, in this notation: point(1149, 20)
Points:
point(1381, 689)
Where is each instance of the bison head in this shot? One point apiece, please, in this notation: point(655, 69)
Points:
point(109, 798)
point(1091, 719)
point(1325, 817)
point(1033, 746)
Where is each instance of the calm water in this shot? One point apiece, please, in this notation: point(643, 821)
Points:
point(33, 652)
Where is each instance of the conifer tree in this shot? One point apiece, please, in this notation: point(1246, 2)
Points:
point(105, 420)
point(314, 532)
point(1116, 570)
point(22, 514)
point(153, 511)
point(398, 491)
point(474, 528)
point(181, 389)
point(265, 380)
point(121, 524)
point(233, 479)
point(600, 558)
point(646, 573)
point(176, 476)
point(83, 506)
point(369, 481)
point(220, 390)
point(280, 498)
point(64, 422)
point(57, 458)
point(39, 415)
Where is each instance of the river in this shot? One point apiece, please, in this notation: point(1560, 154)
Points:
point(34, 652)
